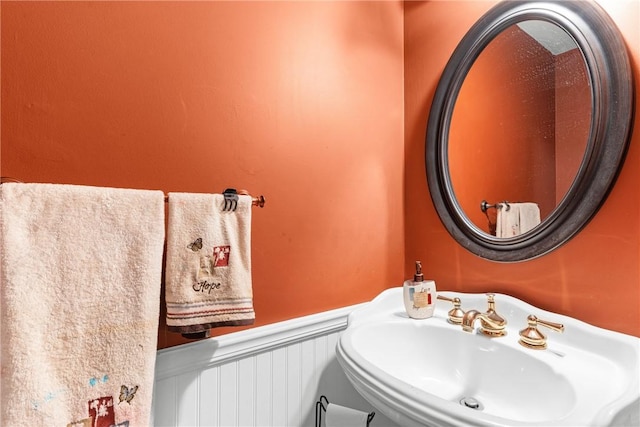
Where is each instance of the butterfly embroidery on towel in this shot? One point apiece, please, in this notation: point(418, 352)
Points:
point(127, 394)
point(196, 245)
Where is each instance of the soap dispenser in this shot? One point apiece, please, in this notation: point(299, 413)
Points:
point(419, 295)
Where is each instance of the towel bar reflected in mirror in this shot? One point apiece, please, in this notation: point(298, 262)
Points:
point(484, 205)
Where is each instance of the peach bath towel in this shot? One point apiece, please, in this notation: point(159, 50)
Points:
point(81, 273)
point(208, 277)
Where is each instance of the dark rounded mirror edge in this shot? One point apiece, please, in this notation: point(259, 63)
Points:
point(613, 107)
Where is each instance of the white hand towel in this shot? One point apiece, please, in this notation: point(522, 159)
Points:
point(208, 277)
point(341, 416)
point(81, 274)
point(529, 216)
point(517, 219)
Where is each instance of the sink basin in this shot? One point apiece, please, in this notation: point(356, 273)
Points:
point(507, 382)
point(431, 372)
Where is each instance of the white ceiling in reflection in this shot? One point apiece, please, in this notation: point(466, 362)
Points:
point(550, 36)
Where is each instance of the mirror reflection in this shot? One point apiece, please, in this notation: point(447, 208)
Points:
point(520, 125)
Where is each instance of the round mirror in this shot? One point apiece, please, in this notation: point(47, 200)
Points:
point(523, 110)
point(529, 127)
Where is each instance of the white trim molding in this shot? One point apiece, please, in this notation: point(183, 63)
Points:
point(202, 354)
point(266, 376)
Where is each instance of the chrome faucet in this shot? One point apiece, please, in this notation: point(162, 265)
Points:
point(491, 323)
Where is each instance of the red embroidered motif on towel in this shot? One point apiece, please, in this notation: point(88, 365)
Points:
point(101, 410)
point(221, 256)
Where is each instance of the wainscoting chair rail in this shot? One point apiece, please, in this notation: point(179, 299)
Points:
point(237, 345)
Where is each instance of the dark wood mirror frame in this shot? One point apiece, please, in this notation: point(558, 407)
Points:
point(612, 88)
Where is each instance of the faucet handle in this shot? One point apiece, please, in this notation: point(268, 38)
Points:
point(531, 337)
point(491, 309)
point(456, 313)
point(491, 301)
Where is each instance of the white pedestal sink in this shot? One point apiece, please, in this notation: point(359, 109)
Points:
point(430, 372)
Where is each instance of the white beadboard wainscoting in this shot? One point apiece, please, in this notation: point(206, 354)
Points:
point(266, 376)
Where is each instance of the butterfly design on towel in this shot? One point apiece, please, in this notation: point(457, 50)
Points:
point(127, 394)
point(196, 245)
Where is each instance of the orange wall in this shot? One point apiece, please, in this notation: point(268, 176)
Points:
point(303, 102)
point(299, 101)
point(595, 277)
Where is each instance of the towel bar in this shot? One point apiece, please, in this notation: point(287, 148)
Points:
point(9, 179)
point(484, 205)
point(256, 201)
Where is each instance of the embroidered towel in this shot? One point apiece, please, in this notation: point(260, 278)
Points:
point(208, 272)
point(518, 219)
point(81, 274)
point(507, 221)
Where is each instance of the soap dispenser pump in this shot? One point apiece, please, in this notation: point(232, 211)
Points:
point(419, 295)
